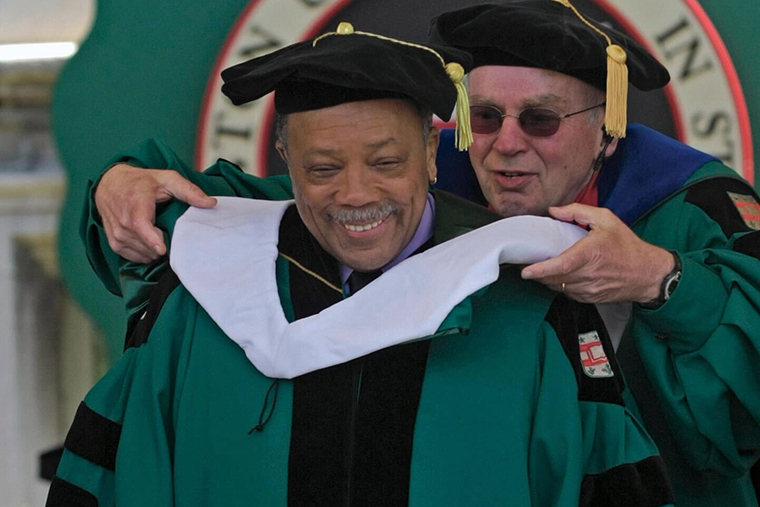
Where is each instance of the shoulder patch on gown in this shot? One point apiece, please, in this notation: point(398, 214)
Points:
point(140, 327)
point(748, 209)
point(594, 358)
point(731, 203)
point(588, 347)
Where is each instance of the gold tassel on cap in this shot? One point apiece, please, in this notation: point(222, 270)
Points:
point(615, 116)
point(463, 132)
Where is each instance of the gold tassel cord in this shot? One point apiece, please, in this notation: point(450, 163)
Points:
point(345, 28)
point(615, 117)
point(463, 132)
point(616, 112)
point(310, 272)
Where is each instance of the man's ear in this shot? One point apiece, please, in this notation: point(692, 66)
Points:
point(281, 150)
point(431, 152)
point(612, 147)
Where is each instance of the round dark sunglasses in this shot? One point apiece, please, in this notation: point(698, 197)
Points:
point(533, 121)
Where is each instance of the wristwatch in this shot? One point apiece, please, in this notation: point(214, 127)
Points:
point(669, 284)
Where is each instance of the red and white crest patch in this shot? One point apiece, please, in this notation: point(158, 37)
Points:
point(748, 208)
point(593, 358)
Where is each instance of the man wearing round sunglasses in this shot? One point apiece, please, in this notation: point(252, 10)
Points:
point(534, 121)
point(525, 166)
point(665, 221)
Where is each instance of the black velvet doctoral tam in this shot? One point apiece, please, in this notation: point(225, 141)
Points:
point(543, 34)
point(342, 68)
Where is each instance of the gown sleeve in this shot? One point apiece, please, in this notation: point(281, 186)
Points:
point(126, 422)
point(133, 281)
point(701, 349)
point(602, 453)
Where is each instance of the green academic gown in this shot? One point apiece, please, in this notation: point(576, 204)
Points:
point(694, 363)
point(495, 408)
point(691, 365)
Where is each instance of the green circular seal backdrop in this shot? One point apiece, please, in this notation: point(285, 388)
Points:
point(150, 69)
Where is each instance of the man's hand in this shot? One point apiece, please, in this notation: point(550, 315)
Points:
point(609, 265)
point(126, 199)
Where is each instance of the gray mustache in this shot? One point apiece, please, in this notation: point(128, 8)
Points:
point(368, 214)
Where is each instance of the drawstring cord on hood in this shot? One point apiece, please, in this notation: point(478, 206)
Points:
point(262, 421)
point(607, 140)
point(588, 195)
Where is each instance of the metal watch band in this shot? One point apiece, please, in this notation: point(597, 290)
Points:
point(668, 284)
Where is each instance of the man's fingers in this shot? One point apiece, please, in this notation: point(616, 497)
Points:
point(150, 236)
point(540, 270)
point(583, 214)
point(138, 257)
point(123, 240)
point(564, 213)
point(180, 188)
point(561, 265)
point(134, 232)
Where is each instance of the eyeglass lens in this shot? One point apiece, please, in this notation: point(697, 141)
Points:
point(534, 122)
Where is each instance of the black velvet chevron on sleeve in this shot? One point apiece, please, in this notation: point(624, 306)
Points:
point(64, 494)
point(570, 319)
point(48, 463)
point(141, 323)
point(94, 437)
point(711, 196)
point(749, 244)
point(641, 484)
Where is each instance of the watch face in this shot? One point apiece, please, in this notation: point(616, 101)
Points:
point(703, 106)
point(670, 284)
